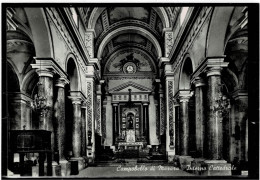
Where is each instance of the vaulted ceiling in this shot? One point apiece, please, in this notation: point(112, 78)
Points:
point(129, 30)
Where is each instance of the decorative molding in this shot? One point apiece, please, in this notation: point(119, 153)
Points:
point(213, 63)
point(48, 63)
point(124, 97)
point(168, 42)
point(149, 46)
point(110, 46)
point(162, 116)
point(89, 104)
point(152, 18)
point(204, 14)
point(136, 51)
point(15, 43)
point(98, 116)
point(128, 22)
point(128, 28)
point(53, 16)
point(105, 20)
point(89, 43)
point(10, 24)
point(173, 14)
point(129, 77)
point(170, 127)
point(130, 83)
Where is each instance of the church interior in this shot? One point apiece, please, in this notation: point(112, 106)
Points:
point(89, 86)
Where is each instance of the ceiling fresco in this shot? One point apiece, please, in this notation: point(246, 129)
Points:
point(122, 13)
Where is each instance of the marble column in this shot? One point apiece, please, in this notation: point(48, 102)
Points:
point(45, 89)
point(115, 122)
point(199, 116)
point(76, 127)
point(153, 140)
point(184, 125)
point(109, 123)
point(214, 120)
point(83, 130)
point(20, 111)
point(59, 109)
point(145, 121)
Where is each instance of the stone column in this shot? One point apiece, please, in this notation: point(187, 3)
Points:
point(214, 121)
point(115, 122)
point(184, 125)
point(59, 109)
point(83, 130)
point(145, 121)
point(59, 114)
point(76, 131)
point(76, 126)
point(153, 140)
point(45, 89)
point(109, 123)
point(199, 116)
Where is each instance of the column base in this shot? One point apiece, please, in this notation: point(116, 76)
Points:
point(90, 155)
point(185, 162)
point(198, 166)
point(65, 167)
point(176, 160)
point(56, 169)
point(217, 168)
point(170, 156)
point(81, 162)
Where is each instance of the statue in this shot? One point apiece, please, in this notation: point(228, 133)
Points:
point(130, 123)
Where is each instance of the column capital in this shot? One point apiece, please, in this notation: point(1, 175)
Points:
point(45, 73)
point(145, 104)
point(184, 95)
point(115, 104)
point(198, 81)
point(211, 66)
point(75, 99)
point(92, 71)
point(77, 94)
point(61, 82)
point(84, 105)
point(48, 64)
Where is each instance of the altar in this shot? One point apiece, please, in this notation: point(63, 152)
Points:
point(131, 142)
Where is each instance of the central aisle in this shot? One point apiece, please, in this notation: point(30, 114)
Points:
point(140, 170)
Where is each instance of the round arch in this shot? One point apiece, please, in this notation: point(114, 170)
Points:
point(29, 82)
point(127, 29)
point(217, 31)
point(185, 73)
point(13, 83)
point(40, 31)
point(136, 49)
point(73, 73)
point(96, 12)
